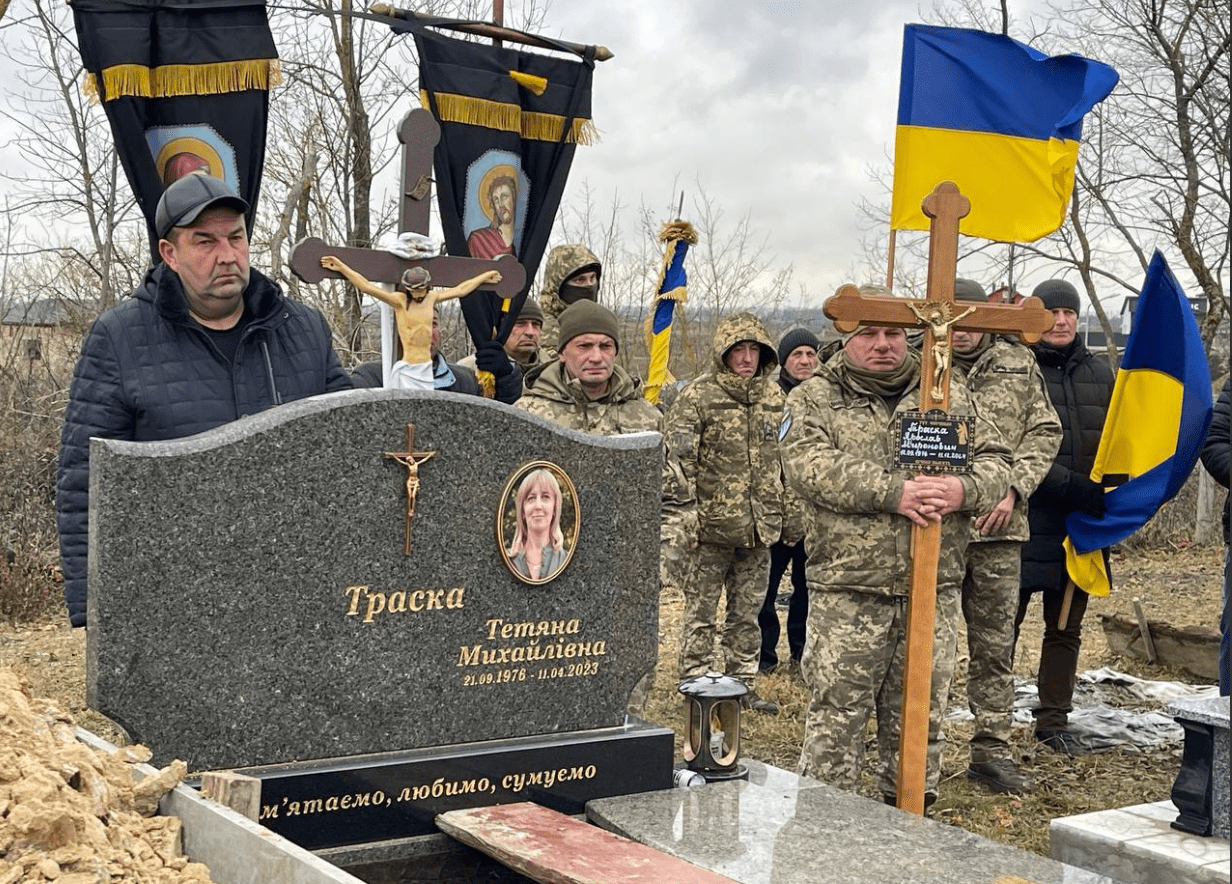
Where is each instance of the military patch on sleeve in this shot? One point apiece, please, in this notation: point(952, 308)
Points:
point(785, 424)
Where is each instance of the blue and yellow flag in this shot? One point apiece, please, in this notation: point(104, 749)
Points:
point(999, 119)
point(678, 235)
point(1157, 421)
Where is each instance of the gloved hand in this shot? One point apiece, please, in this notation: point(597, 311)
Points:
point(490, 356)
point(1089, 496)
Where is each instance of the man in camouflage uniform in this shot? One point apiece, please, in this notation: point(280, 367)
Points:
point(1008, 389)
point(838, 454)
point(570, 274)
point(583, 388)
point(724, 429)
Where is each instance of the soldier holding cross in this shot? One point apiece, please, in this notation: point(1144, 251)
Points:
point(838, 454)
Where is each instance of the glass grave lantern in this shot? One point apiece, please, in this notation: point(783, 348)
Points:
point(712, 725)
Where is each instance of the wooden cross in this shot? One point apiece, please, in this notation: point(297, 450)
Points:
point(411, 459)
point(849, 309)
point(419, 133)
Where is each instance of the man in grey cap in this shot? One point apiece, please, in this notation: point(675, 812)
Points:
point(203, 340)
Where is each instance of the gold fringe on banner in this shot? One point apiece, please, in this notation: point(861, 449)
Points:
point(505, 117)
point(166, 81)
point(537, 85)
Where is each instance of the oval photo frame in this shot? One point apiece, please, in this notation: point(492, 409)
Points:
point(538, 509)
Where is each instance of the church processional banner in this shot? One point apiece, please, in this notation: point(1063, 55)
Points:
point(185, 85)
point(510, 123)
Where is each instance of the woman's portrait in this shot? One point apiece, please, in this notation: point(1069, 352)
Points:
point(538, 501)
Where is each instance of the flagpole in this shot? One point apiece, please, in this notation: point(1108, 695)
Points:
point(890, 260)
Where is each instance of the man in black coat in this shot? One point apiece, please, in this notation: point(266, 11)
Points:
point(1080, 387)
point(203, 340)
point(798, 360)
point(1215, 456)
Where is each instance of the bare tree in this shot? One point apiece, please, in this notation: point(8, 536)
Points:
point(349, 82)
point(730, 268)
point(68, 192)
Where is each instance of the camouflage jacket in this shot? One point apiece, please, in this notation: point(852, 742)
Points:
point(724, 429)
point(562, 262)
point(549, 393)
point(1008, 389)
point(838, 456)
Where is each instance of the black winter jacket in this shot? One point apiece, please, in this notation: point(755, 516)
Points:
point(1080, 387)
point(148, 371)
point(1216, 451)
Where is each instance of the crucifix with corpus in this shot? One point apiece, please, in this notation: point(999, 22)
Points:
point(945, 206)
point(313, 260)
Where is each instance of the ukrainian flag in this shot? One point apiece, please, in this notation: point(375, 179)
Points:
point(999, 119)
point(1156, 424)
point(672, 290)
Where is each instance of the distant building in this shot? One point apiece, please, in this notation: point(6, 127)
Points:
point(33, 325)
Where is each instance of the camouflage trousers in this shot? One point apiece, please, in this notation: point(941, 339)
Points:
point(853, 665)
point(989, 603)
point(740, 575)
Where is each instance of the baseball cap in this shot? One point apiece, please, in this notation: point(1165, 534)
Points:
point(187, 198)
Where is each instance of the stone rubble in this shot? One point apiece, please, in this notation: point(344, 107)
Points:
point(74, 815)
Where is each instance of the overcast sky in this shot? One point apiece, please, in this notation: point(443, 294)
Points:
point(778, 109)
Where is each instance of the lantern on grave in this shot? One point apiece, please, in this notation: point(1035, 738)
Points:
point(712, 725)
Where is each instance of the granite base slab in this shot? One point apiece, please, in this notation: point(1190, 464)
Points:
point(1138, 845)
point(780, 828)
point(394, 795)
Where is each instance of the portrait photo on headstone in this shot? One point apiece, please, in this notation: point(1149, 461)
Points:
point(537, 522)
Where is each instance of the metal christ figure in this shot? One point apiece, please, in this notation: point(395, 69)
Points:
point(936, 315)
point(410, 459)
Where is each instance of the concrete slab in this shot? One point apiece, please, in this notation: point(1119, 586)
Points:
point(1138, 845)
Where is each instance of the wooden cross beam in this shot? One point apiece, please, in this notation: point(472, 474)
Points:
point(946, 206)
point(419, 133)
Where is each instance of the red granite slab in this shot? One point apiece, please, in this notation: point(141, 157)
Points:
point(553, 848)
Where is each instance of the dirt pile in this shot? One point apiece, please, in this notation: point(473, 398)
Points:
point(75, 815)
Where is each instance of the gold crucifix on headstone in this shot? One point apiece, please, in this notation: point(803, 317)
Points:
point(411, 459)
point(849, 309)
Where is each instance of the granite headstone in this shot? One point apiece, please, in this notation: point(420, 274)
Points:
point(252, 602)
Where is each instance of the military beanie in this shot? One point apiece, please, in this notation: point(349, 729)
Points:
point(969, 290)
point(797, 337)
point(588, 318)
point(1057, 294)
point(531, 310)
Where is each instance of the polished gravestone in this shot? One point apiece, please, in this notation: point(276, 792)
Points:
point(780, 828)
point(253, 605)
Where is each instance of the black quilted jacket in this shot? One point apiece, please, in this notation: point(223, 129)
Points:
point(147, 372)
point(1080, 386)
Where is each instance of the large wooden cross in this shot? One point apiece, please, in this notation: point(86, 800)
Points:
point(419, 132)
point(849, 310)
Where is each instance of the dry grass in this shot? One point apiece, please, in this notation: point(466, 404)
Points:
point(1186, 583)
point(32, 397)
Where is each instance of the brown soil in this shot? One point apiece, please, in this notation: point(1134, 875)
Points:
point(72, 814)
point(1182, 585)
